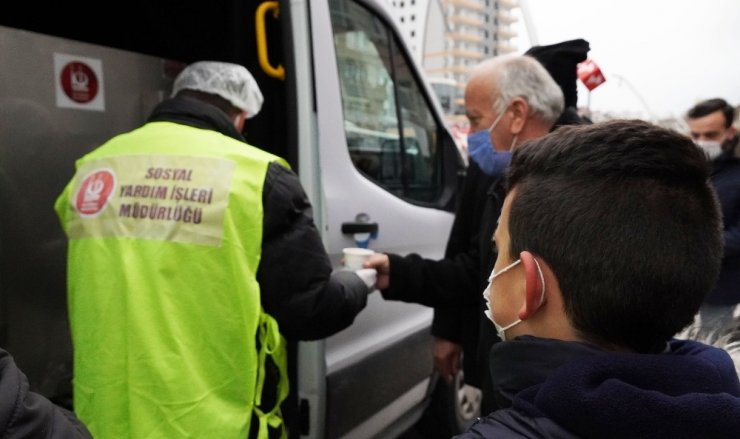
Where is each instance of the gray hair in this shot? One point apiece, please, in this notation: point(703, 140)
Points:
point(524, 77)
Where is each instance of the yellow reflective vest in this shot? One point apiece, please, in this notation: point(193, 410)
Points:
point(169, 336)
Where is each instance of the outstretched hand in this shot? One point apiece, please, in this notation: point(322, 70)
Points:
point(381, 263)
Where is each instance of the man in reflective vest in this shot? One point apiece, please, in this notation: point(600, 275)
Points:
point(180, 238)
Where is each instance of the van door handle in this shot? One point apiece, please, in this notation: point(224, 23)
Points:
point(259, 25)
point(358, 227)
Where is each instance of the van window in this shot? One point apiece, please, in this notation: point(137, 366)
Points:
point(392, 137)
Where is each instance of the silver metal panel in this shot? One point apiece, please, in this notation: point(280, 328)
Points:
point(404, 228)
point(39, 143)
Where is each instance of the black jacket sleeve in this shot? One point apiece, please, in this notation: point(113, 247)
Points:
point(453, 323)
point(453, 281)
point(25, 414)
point(295, 275)
point(442, 283)
point(447, 324)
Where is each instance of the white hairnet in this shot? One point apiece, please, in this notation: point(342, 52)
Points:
point(230, 81)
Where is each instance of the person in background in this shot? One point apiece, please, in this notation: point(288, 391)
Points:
point(509, 100)
point(26, 414)
point(609, 240)
point(710, 123)
point(191, 256)
point(456, 329)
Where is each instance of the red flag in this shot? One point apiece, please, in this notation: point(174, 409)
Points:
point(590, 74)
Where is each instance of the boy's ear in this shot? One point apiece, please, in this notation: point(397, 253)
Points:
point(534, 285)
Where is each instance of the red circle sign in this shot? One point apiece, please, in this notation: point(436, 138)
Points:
point(95, 191)
point(79, 82)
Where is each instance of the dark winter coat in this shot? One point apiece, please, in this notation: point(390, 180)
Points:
point(25, 414)
point(726, 181)
point(553, 388)
point(456, 283)
point(461, 324)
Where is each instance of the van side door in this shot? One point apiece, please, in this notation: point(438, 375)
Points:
point(384, 159)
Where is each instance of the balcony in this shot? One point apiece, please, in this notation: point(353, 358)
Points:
point(450, 69)
point(457, 53)
point(465, 4)
point(508, 4)
point(505, 33)
point(506, 18)
point(469, 21)
point(502, 48)
point(463, 36)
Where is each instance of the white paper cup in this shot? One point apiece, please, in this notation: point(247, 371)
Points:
point(355, 256)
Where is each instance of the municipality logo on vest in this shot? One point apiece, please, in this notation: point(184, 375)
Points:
point(95, 191)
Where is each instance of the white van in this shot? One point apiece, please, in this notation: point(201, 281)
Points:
point(344, 104)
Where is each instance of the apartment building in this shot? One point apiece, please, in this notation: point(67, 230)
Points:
point(449, 37)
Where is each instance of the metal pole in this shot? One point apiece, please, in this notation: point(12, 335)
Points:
point(529, 23)
point(632, 88)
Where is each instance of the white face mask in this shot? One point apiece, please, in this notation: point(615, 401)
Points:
point(501, 330)
point(712, 148)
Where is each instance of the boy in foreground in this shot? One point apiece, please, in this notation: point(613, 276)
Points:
point(608, 241)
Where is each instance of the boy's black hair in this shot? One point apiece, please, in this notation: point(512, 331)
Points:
point(624, 214)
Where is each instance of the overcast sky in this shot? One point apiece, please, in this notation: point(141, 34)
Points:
point(670, 53)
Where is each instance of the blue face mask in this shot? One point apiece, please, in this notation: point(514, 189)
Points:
point(480, 148)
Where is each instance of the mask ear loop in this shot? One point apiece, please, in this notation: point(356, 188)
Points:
point(495, 122)
point(542, 279)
